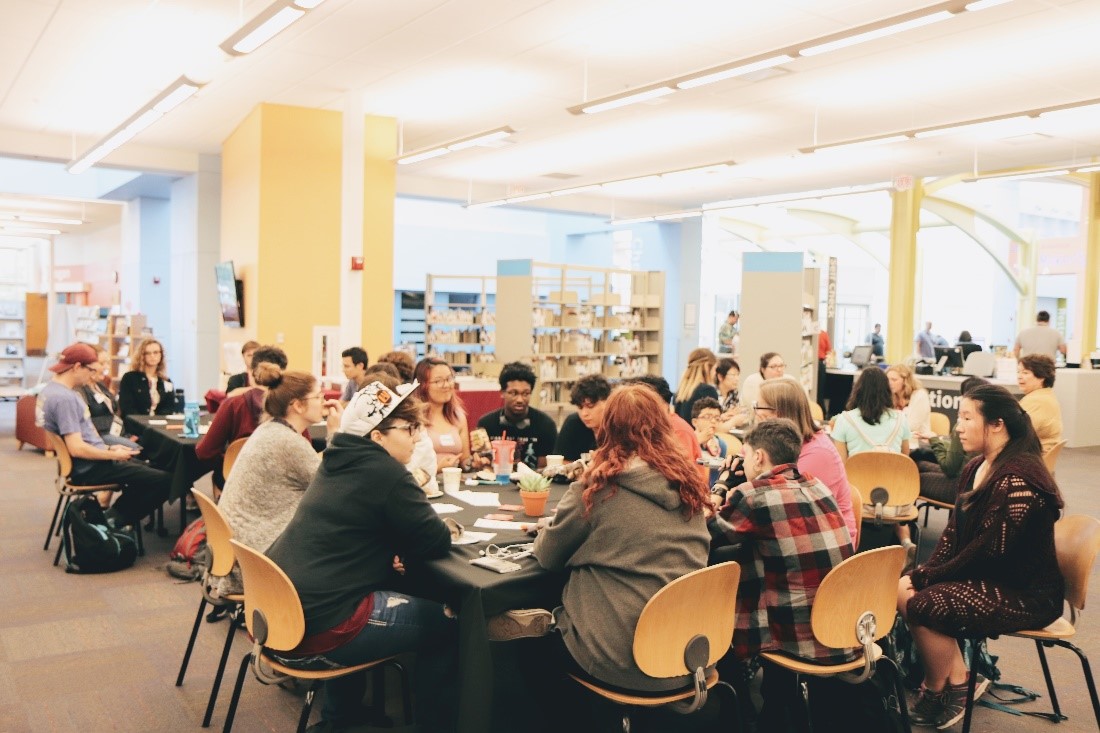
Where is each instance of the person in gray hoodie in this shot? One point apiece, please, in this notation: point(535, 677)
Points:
point(630, 526)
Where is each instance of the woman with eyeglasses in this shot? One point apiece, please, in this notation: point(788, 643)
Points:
point(819, 457)
point(146, 389)
point(276, 463)
point(446, 418)
point(772, 366)
point(362, 519)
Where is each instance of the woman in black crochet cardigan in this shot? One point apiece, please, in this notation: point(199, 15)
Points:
point(994, 570)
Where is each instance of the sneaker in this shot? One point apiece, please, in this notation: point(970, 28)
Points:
point(955, 701)
point(929, 708)
point(518, 624)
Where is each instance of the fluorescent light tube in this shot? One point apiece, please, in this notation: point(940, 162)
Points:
point(987, 126)
point(627, 100)
point(261, 29)
point(702, 171)
point(983, 4)
point(4, 229)
point(176, 97)
point(1025, 176)
point(1090, 169)
point(681, 215)
point(871, 35)
point(873, 142)
point(577, 189)
point(311, 4)
point(35, 219)
point(733, 71)
point(426, 155)
point(799, 196)
point(528, 197)
point(480, 140)
point(611, 185)
point(487, 204)
point(639, 220)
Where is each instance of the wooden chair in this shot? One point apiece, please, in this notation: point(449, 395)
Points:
point(894, 472)
point(816, 412)
point(857, 507)
point(1077, 543)
point(941, 424)
point(275, 620)
point(1050, 458)
point(66, 490)
point(854, 607)
point(231, 453)
point(684, 629)
point(221, 561)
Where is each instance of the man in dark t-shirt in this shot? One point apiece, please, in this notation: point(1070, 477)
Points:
point(533, 430)
point(578, 433)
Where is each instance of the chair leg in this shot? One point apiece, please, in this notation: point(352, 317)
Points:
point(234, 622)
point(228, 725)
point(57, 529)
point(54, 521)
point(303, 719)
point(736, 704)
point(804, 691)
point(1086, 669)
point(406, 695)
point(971, 686)
point(899, 688)
point(1057, 714)
point(191, 642)
point(140, 539)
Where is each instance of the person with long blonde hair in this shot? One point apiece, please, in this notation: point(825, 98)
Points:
point(639, 480)
point(146, 389)
point(696, 382)
point(912, 399)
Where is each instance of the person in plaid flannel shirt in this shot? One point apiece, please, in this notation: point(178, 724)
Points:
point(791, 534)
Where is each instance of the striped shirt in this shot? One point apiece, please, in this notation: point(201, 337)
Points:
point(792, 534)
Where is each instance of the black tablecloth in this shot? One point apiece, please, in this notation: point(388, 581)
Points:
point(476, 594)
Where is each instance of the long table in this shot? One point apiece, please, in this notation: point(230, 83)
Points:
point(944, 392)
point(477, 594)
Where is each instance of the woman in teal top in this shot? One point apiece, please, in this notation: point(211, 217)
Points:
point(871, 422)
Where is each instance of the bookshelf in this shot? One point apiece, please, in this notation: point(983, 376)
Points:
point(570, 321)
point(124, 333)
point(13, 346)
point(460, 318)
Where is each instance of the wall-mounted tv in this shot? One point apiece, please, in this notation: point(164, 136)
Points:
point(230, 294)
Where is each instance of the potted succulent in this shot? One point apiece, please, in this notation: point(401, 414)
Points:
point(534, 491)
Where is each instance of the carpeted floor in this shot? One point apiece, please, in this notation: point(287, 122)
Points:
point(101, 652)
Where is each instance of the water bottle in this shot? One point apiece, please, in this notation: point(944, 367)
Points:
point(181, 401)
point(191, 420)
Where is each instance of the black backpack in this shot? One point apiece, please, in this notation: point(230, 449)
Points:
point(874, 705)
point(91, 545)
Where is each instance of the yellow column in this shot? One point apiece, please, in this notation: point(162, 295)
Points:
point(379, 191)
point(904, 223)
point(281, 204)
point(1092, 268)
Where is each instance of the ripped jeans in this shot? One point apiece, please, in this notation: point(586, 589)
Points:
point(400, 623)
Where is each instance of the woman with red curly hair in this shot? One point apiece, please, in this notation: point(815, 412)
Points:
point(631, 525)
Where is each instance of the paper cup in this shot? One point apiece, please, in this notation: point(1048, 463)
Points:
point(452, 478)
point(554, 461)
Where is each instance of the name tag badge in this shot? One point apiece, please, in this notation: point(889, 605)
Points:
point(167, 386)
point(99, 397)
point(116, 427)
point(447, 440)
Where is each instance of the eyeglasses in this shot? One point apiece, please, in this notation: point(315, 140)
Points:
point(517, 395)
point(443, 382)
point(413, 429)
point(780, 365)
point(763, 408)
point(709, 418)
point(315, 396)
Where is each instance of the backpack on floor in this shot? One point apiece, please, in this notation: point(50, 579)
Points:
point(873, 705)
point(189, 557)
point(90, 544)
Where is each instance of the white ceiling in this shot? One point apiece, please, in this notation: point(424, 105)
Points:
point(75, 69)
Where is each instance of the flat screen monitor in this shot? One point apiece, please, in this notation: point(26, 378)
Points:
point(861, 355)
point(953, 354)
point(229, 294)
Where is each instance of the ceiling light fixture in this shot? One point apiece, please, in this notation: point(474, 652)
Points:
point(272, 21)
point(1089, 169)
point(992, 125)
point(610, 185)
point(481, 138)
point(813, 47)
point(637, 220)
point(176, 94)
point(785, 197)
point(7, 228)
point(35, 219)
point(1036, 174)
point(865, 143)
point(678, 215)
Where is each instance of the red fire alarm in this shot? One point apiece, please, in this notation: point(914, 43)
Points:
point(356, 263)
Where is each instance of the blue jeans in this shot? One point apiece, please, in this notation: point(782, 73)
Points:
point(400, 623)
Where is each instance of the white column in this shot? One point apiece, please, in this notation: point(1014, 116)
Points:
point(351, 225)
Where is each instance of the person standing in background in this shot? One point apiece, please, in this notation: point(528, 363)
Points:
point(926, 342)
point(1040, 339)
point(727, 332)
point(824, 346)
point(878, 343)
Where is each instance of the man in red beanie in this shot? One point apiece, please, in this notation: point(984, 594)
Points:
point(61, 410)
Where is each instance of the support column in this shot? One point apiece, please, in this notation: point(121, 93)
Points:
point(282, 225)
point(900, 315)
point(1092, 267)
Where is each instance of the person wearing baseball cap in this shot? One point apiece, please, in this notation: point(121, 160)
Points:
point(61, 410)
point(360, 520)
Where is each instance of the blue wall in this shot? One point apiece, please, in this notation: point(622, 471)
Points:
point(156, 251)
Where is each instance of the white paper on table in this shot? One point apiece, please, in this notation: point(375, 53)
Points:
point(446, 508)
point(478, 498)
point(158, 422)
point(522, 470)
point(501, 524)
point(471, 538)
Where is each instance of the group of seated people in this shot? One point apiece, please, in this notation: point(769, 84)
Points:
point(347, 523)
